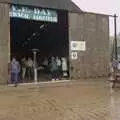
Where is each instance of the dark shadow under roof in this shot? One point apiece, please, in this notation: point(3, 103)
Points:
point(54, 4)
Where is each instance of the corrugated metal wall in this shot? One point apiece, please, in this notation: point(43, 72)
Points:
point(94, 30)
point(4, 42)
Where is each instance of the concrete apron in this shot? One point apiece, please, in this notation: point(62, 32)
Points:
point(61, 83)
point(48, 83)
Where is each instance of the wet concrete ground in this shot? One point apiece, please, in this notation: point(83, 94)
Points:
point(85, 101)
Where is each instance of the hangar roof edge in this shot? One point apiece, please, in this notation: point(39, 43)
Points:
point(53, 4)
point(60, 4)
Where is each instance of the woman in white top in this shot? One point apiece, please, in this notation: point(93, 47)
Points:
point(64, 67)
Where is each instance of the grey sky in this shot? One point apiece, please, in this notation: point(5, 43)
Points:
point(102, 6)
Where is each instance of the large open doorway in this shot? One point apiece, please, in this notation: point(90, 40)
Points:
point(49, 38)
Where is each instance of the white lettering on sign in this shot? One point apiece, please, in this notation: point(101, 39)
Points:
point(33, 13)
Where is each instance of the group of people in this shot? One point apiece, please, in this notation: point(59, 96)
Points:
point(17, 69)
point(56, 66)
point(25, 68)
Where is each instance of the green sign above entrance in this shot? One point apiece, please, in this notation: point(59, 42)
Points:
point(33, 13)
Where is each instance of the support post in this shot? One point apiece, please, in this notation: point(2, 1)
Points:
point(35, 69)
point(115, 36)
point(35, 65)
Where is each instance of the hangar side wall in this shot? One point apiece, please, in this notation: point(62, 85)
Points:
point(94, 30)
point(4, 42)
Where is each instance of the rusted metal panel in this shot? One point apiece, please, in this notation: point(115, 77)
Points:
point(4, 42)
point(94, 30)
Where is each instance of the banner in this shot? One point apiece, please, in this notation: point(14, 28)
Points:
point(33, 13)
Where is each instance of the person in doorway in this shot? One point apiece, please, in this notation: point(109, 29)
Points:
point(30, 66)
point(53, 68)
point(45, 62)
point(45, 65)
point(23, 64)
point(64, 67)
point(15, 70)
point(59, 64)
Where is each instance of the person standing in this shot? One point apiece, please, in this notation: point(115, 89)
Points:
point(15, 70)
point(45, 65)
point(118, 67)
point(59, 64)
point(115, 65)
point(23, 63)
point(30, 66)
point(45, 62)
point(64, 67)
point(53, 68)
